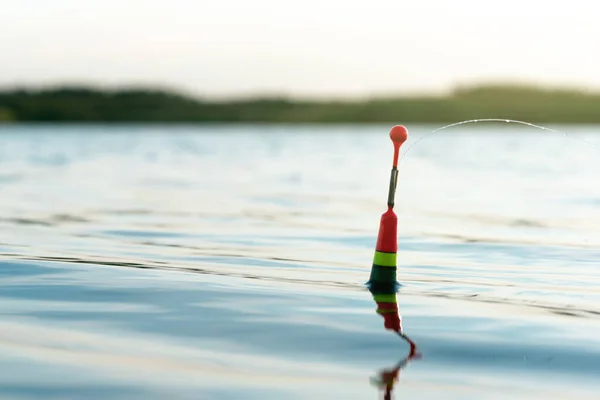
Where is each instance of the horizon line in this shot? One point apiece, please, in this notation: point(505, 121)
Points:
point(283, 95)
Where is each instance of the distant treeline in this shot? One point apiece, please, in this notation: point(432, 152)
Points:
point(86, 104)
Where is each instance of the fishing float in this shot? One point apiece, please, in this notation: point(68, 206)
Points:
point(383, 283)
point(383, 271)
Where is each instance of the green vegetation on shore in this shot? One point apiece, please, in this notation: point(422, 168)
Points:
point(87, 104)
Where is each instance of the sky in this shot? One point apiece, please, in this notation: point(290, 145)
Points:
point(309, 48)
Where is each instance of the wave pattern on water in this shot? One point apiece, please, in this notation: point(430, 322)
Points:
point(208, 255)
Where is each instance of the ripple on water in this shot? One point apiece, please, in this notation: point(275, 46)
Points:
point(212, 274)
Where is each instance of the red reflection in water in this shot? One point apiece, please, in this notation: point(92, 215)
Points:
point(387, 307)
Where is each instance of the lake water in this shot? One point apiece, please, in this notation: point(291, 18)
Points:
point(229, 262)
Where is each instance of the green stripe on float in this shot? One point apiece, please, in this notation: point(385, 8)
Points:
point(383, 274)
point(385, 298)
point(384, 259)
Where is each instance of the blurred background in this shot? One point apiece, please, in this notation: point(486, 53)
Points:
point(190, 194)
point(312, 61)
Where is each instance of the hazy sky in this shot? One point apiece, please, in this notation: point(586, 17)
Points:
point(309, 47)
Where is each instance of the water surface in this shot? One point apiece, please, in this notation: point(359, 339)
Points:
point(152, 262)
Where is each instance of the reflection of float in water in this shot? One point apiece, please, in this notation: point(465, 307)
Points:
point(387, 307)
point(387, 378)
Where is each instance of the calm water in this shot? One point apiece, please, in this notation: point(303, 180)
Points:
point(229, 262)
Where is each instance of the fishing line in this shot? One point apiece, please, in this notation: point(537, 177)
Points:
point(471, 121)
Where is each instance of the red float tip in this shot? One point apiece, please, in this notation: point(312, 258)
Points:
point(399, 134)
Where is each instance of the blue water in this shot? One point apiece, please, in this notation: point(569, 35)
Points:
point(229, 262)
